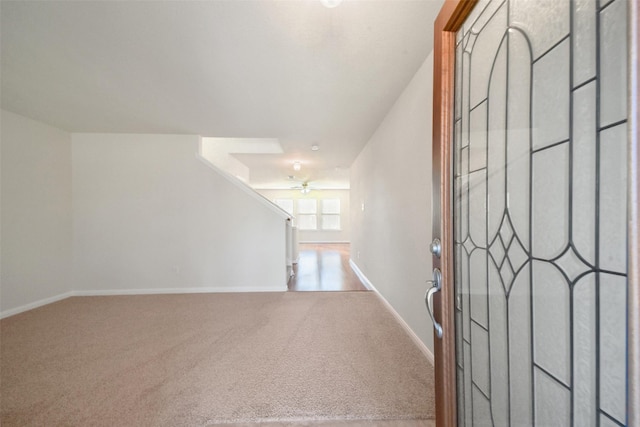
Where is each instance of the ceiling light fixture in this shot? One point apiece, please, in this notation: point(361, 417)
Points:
point(315, 147)
point(330, 3)
point(296, 166)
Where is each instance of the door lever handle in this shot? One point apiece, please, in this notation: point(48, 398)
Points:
point(428, 299)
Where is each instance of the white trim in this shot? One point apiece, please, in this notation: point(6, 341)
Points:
point(323, 241)
point(324, 188)
point(35, 304)
point(242, 185)
point(160, 291)
point(365, 281)
point(418, 342)
point(157, 291)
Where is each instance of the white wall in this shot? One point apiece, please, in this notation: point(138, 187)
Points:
point(36, 216)
point(392, 179)
point(216, 152)
point(148, 214)
point(309, 236)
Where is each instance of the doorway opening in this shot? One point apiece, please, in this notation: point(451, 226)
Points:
point(324, 267)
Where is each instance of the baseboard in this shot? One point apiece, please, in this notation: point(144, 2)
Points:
point(323, 241)
point(158, 291)
point(418, 342)
point(161, 291)
point(365, 281)
point(35, 304)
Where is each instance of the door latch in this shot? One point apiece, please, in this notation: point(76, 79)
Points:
point(436, 247)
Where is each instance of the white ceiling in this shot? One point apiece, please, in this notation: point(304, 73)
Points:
point(289, 69)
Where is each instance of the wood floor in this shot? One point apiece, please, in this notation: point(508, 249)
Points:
point(324, 267)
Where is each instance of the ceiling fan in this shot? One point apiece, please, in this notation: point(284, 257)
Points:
point(304, 187)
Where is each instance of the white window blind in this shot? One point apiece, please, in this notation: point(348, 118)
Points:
point(331, 214)
point(285, 204)
point(307, 214)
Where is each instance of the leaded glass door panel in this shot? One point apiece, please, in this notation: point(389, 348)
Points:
point(539, 206)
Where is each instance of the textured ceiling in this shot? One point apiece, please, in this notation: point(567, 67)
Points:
point(291, 70)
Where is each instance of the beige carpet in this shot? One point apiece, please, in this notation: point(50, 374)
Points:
point(204, 359)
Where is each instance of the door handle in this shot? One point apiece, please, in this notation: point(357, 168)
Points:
point(428, 299)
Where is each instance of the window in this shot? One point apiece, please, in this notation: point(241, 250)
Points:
point(285, 204)
point(331, 222)
point(331, 206)
point(307, 214)
point(312, 214)
point(331, 214)
point(307, 206)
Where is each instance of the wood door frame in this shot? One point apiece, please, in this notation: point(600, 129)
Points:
point(451, 17)
point(449, 20)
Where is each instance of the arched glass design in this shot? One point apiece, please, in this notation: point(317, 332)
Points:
point(540, 213)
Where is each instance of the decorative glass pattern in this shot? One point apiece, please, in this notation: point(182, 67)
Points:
point(540, 212)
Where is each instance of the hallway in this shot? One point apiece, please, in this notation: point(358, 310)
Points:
point(324, 267)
